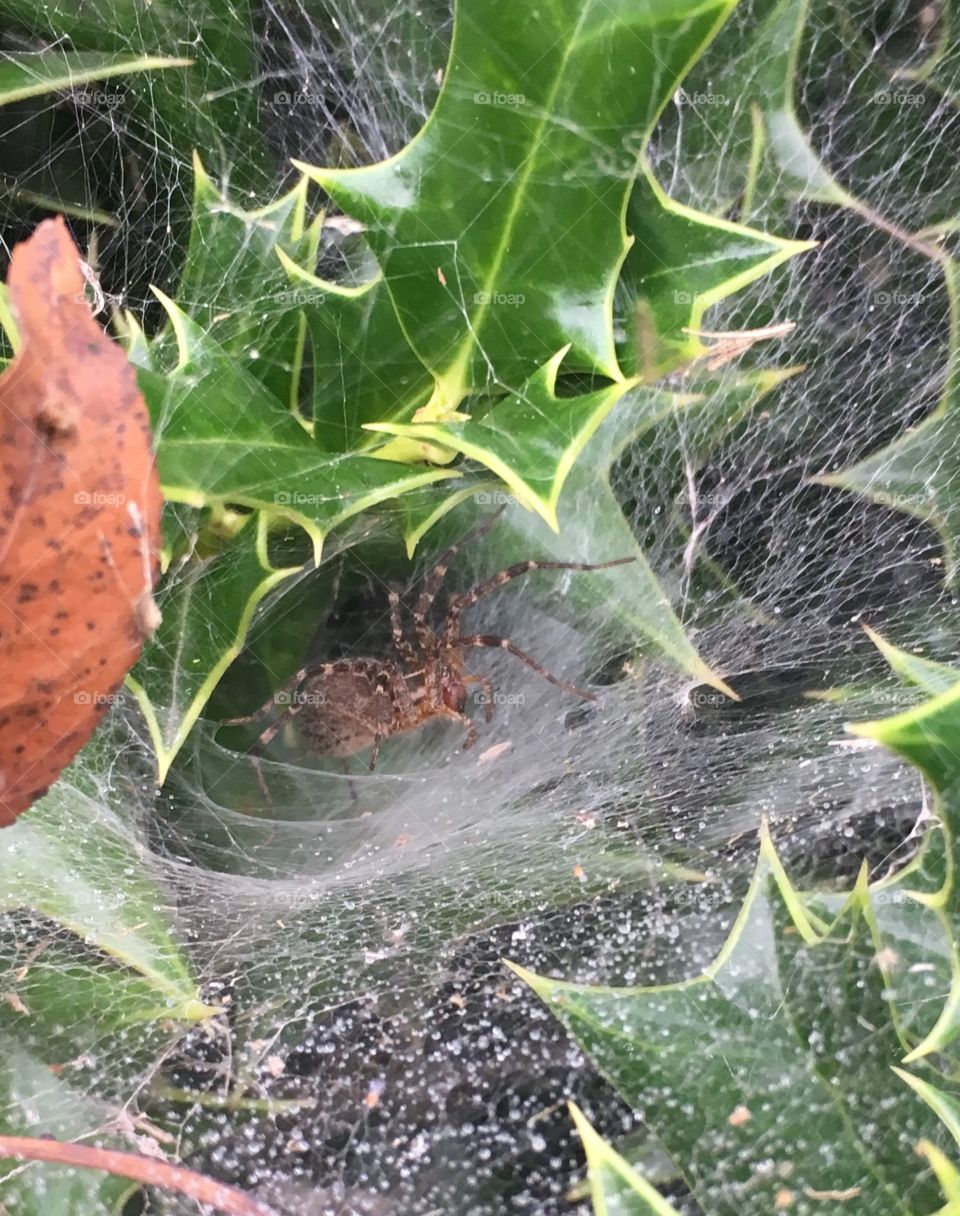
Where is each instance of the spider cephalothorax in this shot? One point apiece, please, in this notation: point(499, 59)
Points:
point(345, 706)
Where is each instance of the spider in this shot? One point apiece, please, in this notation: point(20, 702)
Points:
point(349, 704)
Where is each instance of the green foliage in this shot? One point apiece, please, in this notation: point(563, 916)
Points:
point(272, 389)
point(73, 863)
point(797, 1064)
point(782, 1048)
point(614, 1186)
point(39, 73)
point(482, 279)
point(202, 107)
point(30, 1095)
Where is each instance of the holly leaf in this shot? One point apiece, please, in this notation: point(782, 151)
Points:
point(38, 73)
point(925, 736)
point(34, 1099)
point(200, 108)
point(629, 599)
point(685, 262)
point(222, 439)
point(614, 1185)
point(758, 1076)
point(114, 961)
point(489, 279)
point(531, 440)
point(232, 261)
point(920, 472)
point(207, 603)
point(363, 367)
point(222, 383)
point(933, 678)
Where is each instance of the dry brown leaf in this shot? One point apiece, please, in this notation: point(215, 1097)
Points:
point(79, 521)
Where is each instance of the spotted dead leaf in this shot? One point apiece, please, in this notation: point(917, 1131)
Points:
point(79, 521)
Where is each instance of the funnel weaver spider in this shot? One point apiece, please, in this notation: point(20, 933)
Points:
point(350, 704)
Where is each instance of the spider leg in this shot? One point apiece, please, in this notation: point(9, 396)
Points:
point(489, 639)
point(264, 740)
point(471, 730)
point(267, 737)
point(385, 716)
point(294, 682)
point(459, 602)
point(400, 641)
point(472, 734)
point(434, 580)
point(261, 780)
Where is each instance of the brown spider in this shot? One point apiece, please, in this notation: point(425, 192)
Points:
point(346, 705)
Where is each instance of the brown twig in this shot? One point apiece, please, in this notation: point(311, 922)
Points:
point(148, 1170)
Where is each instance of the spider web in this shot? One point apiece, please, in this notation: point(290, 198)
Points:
point(355, 927)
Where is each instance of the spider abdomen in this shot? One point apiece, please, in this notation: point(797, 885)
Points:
point(349, 704)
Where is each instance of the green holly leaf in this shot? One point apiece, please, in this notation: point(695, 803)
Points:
point(8, 324)
point(114, 961)
point(946, 1105)
point(207, 603)
point(232, 262)
point(933, 678)
point(222, 439)
point(36, 1101)
point(770, 1075)
point(752, 77)
point(926, 737)
point(749, 80)
point(33, 75)
point(364, 369)
point(200, 108)
point(488, 277)
point(615, 1188)
point(531, 440)
point(683, 263)
point(919, 473)
point(628, 599)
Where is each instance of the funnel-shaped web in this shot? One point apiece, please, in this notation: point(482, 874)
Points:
point(376, 1057)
